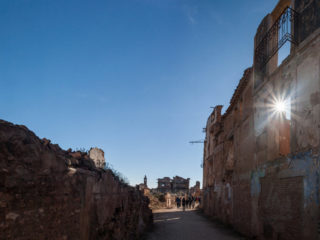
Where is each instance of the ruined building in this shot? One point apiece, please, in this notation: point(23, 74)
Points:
point(49, 193)
point(180, 184)
point(175, 185)
point(195, 190)
point(164, 185)
point(261, 156)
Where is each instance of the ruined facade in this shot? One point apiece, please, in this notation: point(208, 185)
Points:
point(180, 184)
point(49, 193)
point(261, 157)
point(195, 190)
point(164, 185)
point(175, 185)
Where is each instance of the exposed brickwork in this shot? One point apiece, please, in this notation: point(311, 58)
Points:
point(242, 207)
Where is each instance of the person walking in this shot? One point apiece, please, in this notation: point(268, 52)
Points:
point(189, 202)
point(183, 204)
point(178, 202)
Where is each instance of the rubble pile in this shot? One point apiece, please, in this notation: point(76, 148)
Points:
point(156, 201)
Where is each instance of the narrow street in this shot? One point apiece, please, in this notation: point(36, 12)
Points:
point(188, 225)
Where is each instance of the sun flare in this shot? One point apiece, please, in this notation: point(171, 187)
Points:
point(280, 106)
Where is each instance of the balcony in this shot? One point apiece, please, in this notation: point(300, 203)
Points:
point(281, 31)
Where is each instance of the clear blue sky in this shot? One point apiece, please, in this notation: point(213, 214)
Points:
point(135, 78)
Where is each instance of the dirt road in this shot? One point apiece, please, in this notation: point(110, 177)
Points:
point(189, 225)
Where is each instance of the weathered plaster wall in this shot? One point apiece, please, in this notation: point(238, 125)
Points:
point(48, 193)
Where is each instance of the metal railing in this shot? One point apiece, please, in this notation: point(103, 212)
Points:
point(280, 32)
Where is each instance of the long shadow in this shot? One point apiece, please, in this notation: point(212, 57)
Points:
point(164, 216)
point(227, 228)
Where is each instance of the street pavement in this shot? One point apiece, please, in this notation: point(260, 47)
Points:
point(187, 225)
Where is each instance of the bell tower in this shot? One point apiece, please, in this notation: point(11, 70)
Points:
point(145, 180)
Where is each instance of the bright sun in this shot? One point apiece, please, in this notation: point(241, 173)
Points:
point(280, 106)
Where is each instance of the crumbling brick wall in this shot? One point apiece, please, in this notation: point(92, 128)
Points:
point(49, 193)
point(274, 174)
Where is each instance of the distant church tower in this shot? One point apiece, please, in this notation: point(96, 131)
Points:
point(145, 180)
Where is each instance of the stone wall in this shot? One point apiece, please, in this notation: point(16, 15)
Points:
point(49, 193)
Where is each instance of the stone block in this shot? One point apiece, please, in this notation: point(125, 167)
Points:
point(97, 155)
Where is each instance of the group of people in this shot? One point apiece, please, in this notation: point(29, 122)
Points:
point(187, 202)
